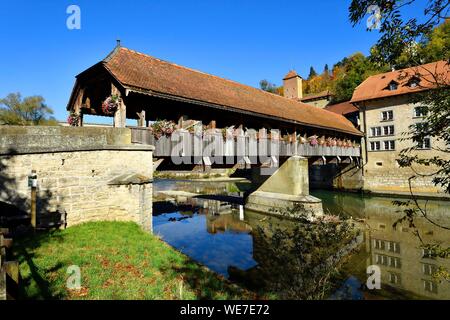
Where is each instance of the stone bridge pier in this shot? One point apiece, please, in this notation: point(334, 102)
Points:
point(287, 188)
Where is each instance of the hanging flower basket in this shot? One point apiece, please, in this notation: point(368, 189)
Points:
point(161, 128)
point(73, 119)
point(111, 104)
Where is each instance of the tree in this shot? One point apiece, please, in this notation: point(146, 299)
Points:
point(326, 70)
point(414, 34)
point(312, 73)
point(349, 73)
point(25, 112)
point(300, 260)
point(270, 87)
point(398, 33)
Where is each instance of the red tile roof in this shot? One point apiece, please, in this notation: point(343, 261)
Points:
point(342, 108)
point(376, 86)
point(136, 70)
point(291, 74)
point(319, 95)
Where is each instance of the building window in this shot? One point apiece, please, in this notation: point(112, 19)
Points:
point(430, 286)
point(391, 246)
point(393, 86)
point(414, 82)
point(375, 146)
point(394, 278)
point(375, 131)
point(425, 144)
point(392, 262)
point(389, 130)
point(429, 269)
point(379, 244)
point(427, 254)
point(395, 262)
point(387, 115)
point(420, 112)
point(389, 145)
point(394, 247)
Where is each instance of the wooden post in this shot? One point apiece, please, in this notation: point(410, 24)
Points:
point(33, 198)
point(120, 117)
point(2, 271)
point(141, 121)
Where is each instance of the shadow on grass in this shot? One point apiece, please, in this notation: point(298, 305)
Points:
point(208, 285)
point(15, 216)
point(33, 285)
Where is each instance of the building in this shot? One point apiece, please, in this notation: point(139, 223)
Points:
point(320, 100)
point(346, 109)
point(293, 89)
point(387, 111)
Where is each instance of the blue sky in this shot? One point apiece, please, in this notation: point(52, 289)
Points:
point(244, 41)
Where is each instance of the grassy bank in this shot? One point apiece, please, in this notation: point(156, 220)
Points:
point(118, 261)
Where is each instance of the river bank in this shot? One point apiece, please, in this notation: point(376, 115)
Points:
point(117, 260)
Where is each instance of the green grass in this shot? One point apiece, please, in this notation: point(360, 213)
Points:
point(118, 261)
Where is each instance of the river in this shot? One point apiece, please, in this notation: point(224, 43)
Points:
point(207, 222)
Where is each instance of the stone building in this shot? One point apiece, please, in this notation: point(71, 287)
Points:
point(387, 111)
point(320, 100)
point(293, 89)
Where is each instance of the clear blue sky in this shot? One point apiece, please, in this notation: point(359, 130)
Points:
point(244, 41)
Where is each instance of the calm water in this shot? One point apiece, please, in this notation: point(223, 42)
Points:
point(207, 222)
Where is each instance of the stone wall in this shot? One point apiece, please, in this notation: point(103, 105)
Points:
point(89, 174)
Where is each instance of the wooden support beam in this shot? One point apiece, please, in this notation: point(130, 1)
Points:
point(120, 117)
point(141, 121)
point(212, 125)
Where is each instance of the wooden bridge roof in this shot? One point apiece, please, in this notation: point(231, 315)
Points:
point(146, 74)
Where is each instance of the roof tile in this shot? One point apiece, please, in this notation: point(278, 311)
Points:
point(141, 71)
point(377, 86)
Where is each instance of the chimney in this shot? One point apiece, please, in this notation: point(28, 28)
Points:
point(293, 87)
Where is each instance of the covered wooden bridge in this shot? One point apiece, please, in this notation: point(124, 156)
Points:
point(152, 89)
point(131, 85)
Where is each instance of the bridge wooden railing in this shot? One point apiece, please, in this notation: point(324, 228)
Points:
point(9, 270)
point(249, 144)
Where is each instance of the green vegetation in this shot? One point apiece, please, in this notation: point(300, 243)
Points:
point(29, 111)
point(302, 259)
point(118, 261)
point(432, 45)
point(270, 87)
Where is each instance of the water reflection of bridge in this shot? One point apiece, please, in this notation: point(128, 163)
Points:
point(406, 270)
